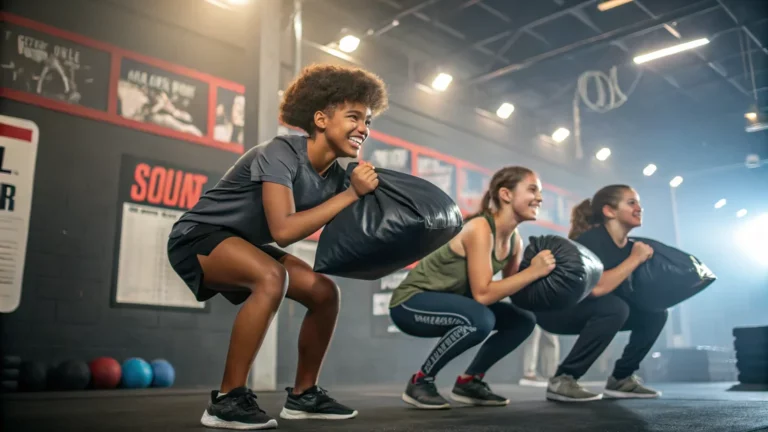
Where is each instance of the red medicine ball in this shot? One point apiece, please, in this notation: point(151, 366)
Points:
point(105, 373)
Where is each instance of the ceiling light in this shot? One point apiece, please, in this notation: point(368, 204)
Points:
point(603, 154)
point(561, 134)
point(442, 81)
point(670, 50)
point(751, 116)
point(675, 182)
point(741, 213)
point(649, 170)
point(610, 4)
point(349, 43)
point(505, 110)
point(720, 204)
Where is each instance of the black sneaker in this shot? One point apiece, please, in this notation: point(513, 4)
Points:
point(236, 410)
point(477, 392)
point(314, 403)
point(423, 394)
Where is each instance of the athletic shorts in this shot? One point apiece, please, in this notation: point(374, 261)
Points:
point(201, 240)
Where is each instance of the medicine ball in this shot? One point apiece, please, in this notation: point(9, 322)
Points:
point(33, 376)
point(137, 373)
point(106, 372)
point(164, 374)
point(72, 375)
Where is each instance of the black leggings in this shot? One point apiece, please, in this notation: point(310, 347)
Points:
point(462, 323)
point(597, 320)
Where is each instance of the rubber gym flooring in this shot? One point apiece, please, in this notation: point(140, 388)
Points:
point(684, 407)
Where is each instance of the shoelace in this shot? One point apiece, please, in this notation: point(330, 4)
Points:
point(247, 401)
point(482, 383)
point(429, 386)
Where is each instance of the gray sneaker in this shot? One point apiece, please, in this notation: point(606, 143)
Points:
point(629, 387)
point(564, 388)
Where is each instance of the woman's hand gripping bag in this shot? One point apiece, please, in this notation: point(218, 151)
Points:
point(670, 277)
point(577, 271)
point(403, 220)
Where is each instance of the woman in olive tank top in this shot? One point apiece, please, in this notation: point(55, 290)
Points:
point(450, 294)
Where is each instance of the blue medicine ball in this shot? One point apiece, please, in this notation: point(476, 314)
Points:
point(164, 375)
point(137, 373)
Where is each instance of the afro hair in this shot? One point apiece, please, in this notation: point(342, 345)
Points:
point(323, 87)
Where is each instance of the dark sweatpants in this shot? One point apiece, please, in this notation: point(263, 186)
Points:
point(461, 323)
point(597, 320)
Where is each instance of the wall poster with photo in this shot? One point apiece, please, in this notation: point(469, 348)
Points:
point(149, 94)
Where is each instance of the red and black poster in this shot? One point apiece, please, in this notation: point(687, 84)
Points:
point(387, 156)
point(230, 116)
point(440, 173)
point(152, 196)
point(55, 68)
point(152, 95)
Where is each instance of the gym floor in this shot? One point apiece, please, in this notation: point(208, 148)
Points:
point(684, 407)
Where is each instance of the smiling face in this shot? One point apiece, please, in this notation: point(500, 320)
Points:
point(526, 198)
point(628, 211)
point(346, 128)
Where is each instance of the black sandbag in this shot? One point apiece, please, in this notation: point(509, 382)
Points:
point(577, 271)
point(403, 220)
point(671, 276)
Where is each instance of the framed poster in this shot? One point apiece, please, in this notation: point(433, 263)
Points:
point(387, 156)
point(44, 65)
point(152, 196)
point(230, 116)
point(18, 157)
point(473, 187)
point(441, 174)
point(149, 94)
point(382, 324)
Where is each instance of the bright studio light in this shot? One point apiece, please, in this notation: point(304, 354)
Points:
point(670, 50)
point(505, 110)
point(561, 134)
point(442, 81)
point(720, 204)
point(610, 4)
point(349, 43)
point(741, 213)
point(603, 154)
point(752, 238)
point(675, 182)
point(649, 170)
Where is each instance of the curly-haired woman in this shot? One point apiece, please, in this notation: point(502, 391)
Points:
point(280, 192)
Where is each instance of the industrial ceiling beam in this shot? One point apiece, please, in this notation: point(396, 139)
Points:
point(621, 33)
point(415, 11)
point(743, 27)
point(696, 53)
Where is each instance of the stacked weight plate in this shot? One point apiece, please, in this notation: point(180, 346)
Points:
point(9, 373)
point(751, 344)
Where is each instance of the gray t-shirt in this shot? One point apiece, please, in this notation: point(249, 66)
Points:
point(235, 202)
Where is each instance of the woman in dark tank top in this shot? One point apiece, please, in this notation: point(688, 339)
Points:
point(450, 294)
point(602, 224)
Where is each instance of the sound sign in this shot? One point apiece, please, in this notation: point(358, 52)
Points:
point(152, 197)
point(18, 156)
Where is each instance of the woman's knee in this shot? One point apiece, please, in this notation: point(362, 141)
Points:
point(483, 321)
point(615, 310)
point(271, 280)
point(325, 293)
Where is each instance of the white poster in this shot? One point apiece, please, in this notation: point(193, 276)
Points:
point(18, 155)
point(145, 275)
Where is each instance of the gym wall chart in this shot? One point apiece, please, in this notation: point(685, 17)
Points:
point(67, 72)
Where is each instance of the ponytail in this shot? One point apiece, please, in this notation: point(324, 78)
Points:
point(582, 219)
point(589, 213)
point(485, 206)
